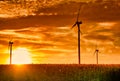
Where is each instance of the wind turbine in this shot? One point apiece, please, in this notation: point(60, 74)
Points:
point(96, 52)
point(10, 50)
point(78, 23)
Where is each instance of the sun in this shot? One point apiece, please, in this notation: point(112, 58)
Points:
point(21, 56)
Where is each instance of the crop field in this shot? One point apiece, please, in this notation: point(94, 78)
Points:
point(59, 72)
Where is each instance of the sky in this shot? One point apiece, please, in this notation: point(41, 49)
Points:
point(41, 33)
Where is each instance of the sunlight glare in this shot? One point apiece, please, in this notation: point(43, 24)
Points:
point(21, 56)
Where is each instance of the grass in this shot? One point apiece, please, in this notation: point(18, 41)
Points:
point(59, 72)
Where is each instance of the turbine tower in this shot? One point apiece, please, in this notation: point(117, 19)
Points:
point(78, 23)
point(10, 49)
point(96, 52)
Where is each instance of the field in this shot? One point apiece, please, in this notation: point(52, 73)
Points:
point(59, 72)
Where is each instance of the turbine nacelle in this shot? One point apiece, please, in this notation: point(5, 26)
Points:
point(10, 42)
point(77, 23)
point(96, 51)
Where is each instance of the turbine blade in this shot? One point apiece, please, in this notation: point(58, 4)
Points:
point(96, 46)
point(99, 52)
point(74, 25)
point(95, 52)
point(10, 39)
point(78, 14)
point(80, 9)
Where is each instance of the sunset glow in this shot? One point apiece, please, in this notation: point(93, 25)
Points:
point(104, 24)
point(41, 31)
point(21, 56)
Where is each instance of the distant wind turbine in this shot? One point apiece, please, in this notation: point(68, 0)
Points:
point(10, 50)
point(78, 23)
point(96, 52)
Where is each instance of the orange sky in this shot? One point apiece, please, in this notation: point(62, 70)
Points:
point(48, 38)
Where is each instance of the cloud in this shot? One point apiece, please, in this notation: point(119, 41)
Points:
point(90, 11)
point(35, 21)
point(63, 14)
point(39, 37)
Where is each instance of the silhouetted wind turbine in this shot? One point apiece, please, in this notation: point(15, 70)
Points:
point(10, 50)
point(78, 25)
point(96, 52)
